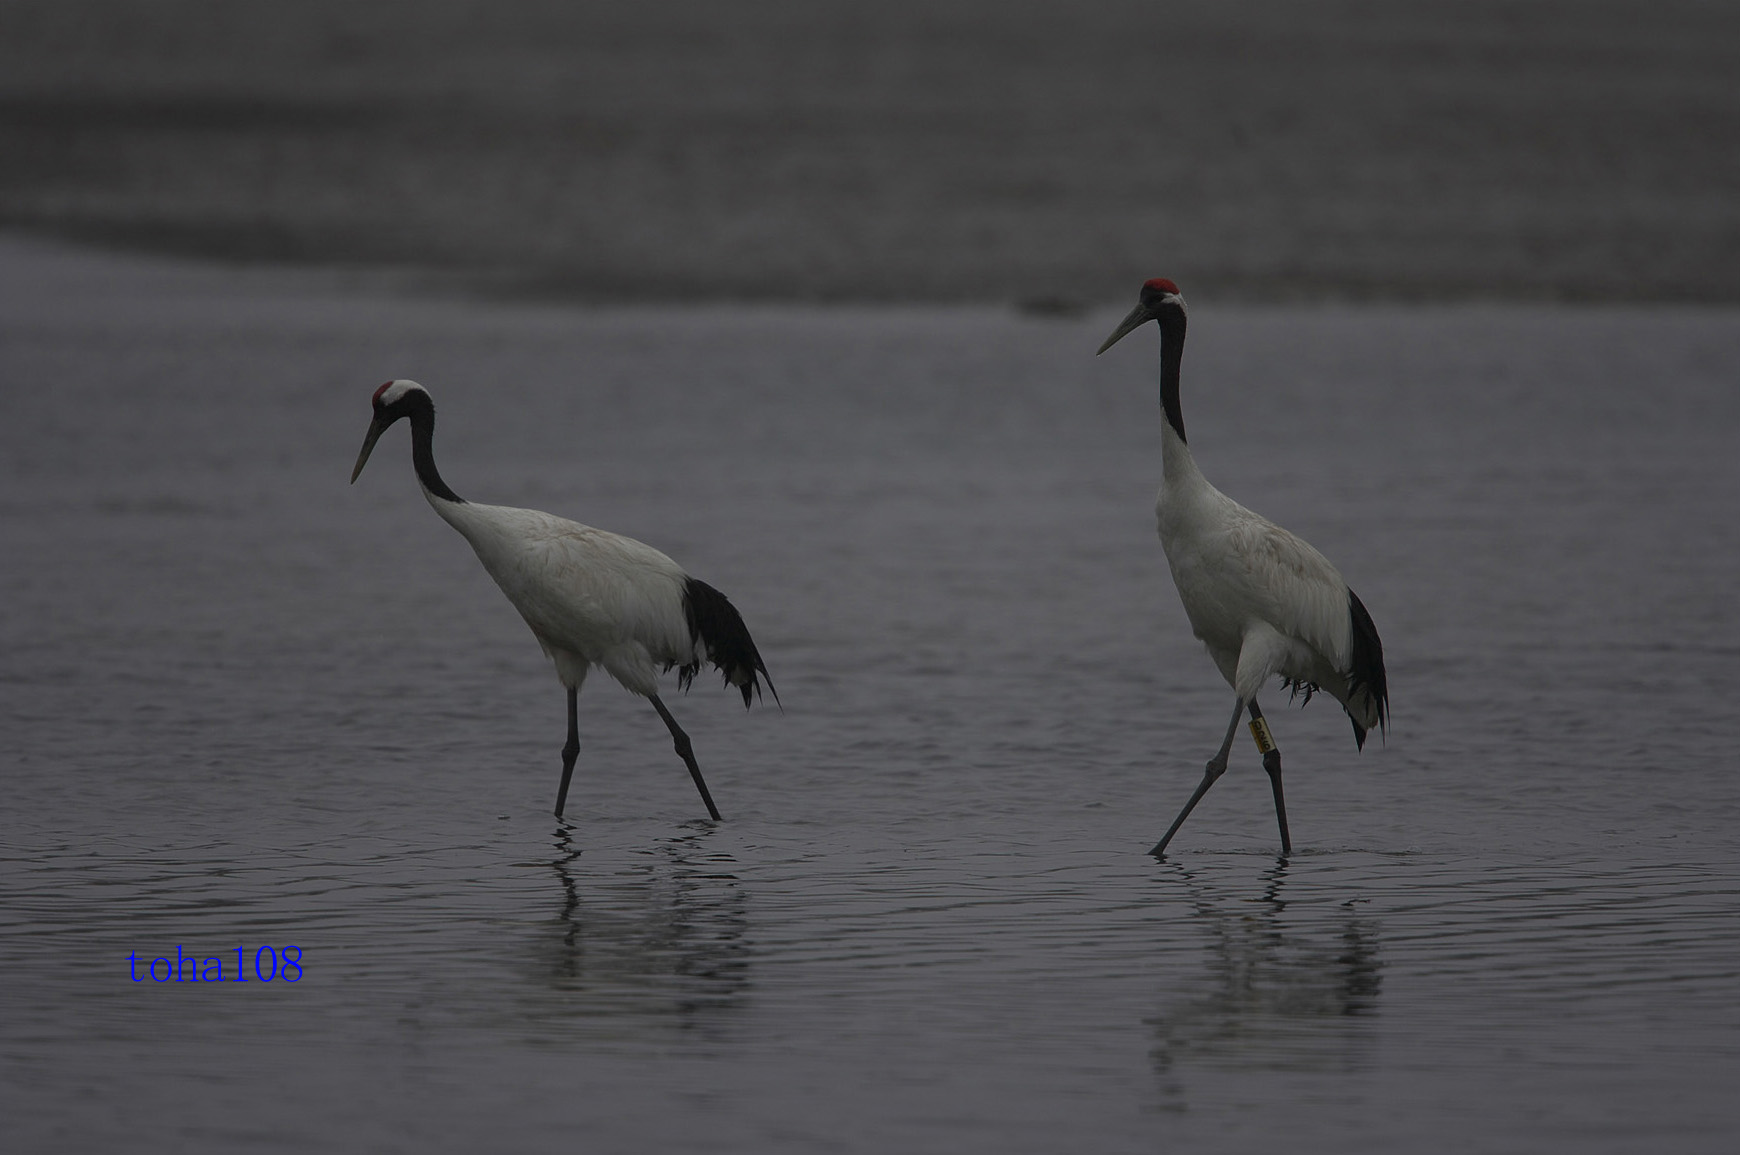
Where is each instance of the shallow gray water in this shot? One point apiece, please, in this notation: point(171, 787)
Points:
point(245, 704)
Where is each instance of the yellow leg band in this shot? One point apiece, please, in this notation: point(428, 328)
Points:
point(1260, 731)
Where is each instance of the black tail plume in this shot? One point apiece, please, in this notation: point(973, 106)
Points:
point(716, 624)
point(1365, 675)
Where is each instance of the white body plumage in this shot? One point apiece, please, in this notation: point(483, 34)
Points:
point(591, 598)
point(1263, 601)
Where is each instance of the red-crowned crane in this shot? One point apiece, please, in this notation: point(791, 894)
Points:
point(591, 598)
point(1263, 601)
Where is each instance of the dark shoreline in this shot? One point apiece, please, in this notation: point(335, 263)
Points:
point(1046, 155)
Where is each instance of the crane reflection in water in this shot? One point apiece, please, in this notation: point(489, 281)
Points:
point(657, 946)
point(1286, 985)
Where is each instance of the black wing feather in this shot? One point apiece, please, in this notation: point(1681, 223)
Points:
point(1366, 672)
point(716, 624)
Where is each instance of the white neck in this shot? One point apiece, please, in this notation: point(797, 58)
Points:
point(1177, 464)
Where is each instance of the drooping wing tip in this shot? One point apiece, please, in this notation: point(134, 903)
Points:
point(1366, 673)
point(756, 677)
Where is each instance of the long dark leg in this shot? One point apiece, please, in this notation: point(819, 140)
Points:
point(1216, 767)
point(687, 752)
point(1272, 764)
point(570, 751)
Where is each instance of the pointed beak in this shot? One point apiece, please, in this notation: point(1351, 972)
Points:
point(376, 428)
point(1138, 316)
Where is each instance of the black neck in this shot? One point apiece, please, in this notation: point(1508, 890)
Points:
point(1171, 359)
point(423, 451)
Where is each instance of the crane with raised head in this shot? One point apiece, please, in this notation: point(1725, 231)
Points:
point(1263, 601)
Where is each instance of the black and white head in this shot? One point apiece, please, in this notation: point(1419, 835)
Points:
point(1160, 301)
point(392, 401)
